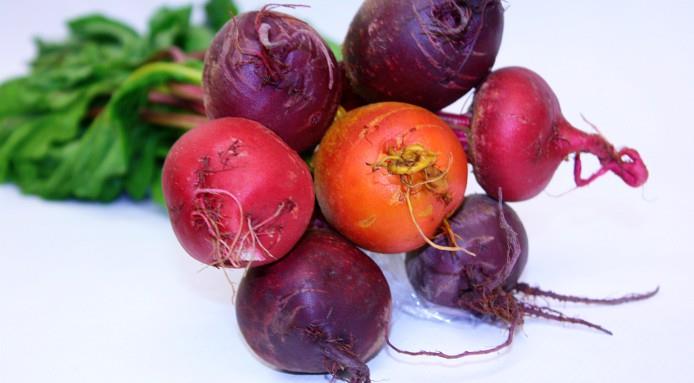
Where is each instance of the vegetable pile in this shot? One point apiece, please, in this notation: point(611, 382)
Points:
point(270, 155)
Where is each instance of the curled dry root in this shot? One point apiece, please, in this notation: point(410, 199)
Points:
point(233, 248)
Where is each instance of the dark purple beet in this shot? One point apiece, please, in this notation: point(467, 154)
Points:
point(440, 276)
point(487, 284)
point(350, 100)
point(423, 52)
point(275, 69)
point(325, 307)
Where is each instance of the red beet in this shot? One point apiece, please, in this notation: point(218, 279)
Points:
point(518, 137)
point(325, 307)
point(423, 52)
point(275, 69)
point(487, 284)
point(236, 193)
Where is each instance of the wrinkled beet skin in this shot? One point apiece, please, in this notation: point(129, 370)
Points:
point(248, 160)
point(515, 107)
point(324, 282)
point(439, 276)
point(388, 56)
point(299, 105)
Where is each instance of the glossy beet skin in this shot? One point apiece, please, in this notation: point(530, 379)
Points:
point(275, 69)
point(361, 195)
point(518, 138)
point(236, 193)
point(325, 307)
point(423, 52)
point(442, 277)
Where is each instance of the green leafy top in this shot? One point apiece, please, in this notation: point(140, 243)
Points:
point(73, 127)
point(218, 12)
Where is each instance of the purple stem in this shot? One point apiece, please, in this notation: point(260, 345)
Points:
point(156, 97)
point(175, 120)
point(460, 123)
point(187, 92)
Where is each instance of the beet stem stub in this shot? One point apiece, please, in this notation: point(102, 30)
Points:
point(343, 364)
point(460, 123)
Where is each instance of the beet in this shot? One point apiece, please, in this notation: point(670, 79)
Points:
point(498, 263)
point(388, 174)
point(325, 307)
point(487, 284)
point(275, 69)
point(237, 195)
point(423, 52)
point(517, 137)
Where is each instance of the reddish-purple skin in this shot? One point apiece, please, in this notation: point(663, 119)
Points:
point(519, 137)
point(423, 52)
point(325, 307)
point(350, 100)
point(443, 277)
point(291, 84)
point(240, 158)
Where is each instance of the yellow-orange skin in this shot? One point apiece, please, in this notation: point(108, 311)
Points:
point(368, 206)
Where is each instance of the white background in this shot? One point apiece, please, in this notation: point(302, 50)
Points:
point(104, 293)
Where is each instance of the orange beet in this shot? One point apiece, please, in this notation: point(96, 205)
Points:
point(375, 158)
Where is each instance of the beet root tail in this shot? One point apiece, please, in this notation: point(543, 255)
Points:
point(551, 314)
point(497, 305)
point(625, 163)
point(528, 290)
point(439, 354)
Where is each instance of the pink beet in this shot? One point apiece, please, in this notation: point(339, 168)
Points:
point(237, 195)
point(516, 137)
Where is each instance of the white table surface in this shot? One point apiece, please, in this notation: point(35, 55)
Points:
point(104, 293)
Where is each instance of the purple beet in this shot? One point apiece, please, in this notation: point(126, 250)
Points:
point(501, 249)
point(423, 52)
point(325, 307)
point(487, 284)
point(275, 69)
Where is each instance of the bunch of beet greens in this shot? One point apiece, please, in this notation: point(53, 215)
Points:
point(105, 112)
